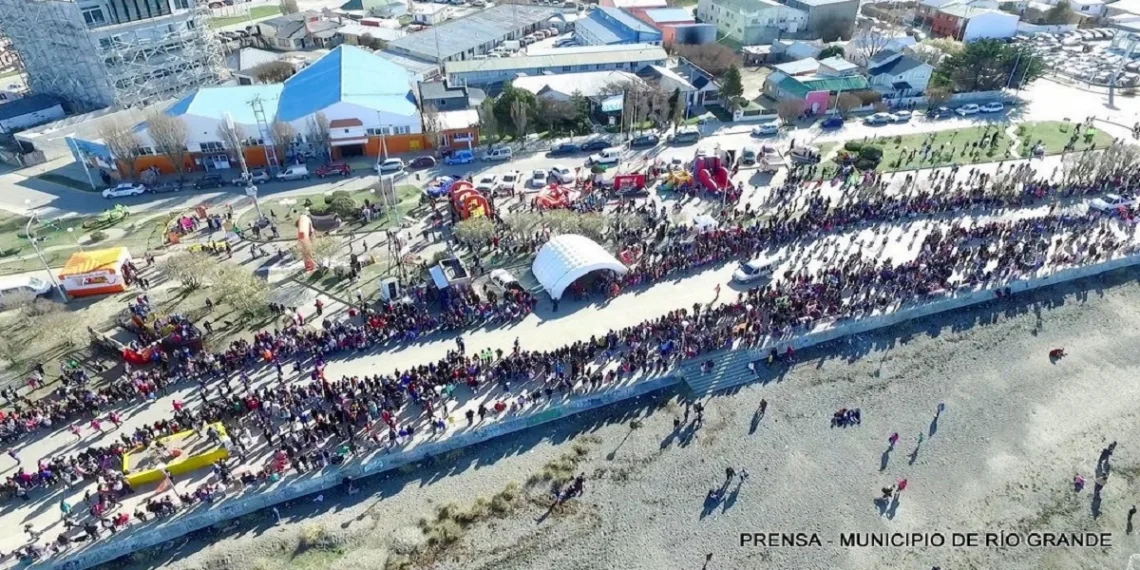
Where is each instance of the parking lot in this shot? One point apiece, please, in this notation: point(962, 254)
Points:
point(1091, 56)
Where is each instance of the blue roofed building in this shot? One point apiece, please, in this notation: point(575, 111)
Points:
point(366, 101)
point(613, 26)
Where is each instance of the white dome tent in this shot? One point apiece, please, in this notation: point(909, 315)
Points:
point(566, 258)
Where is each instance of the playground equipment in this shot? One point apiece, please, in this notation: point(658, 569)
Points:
point(553, 197)
point(711, 171)
point(469, 202)
point(677, 180)
point(629, 184)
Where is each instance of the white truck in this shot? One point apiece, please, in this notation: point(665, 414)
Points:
point(766, 158)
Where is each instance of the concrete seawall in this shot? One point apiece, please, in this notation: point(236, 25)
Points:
point(157, 532)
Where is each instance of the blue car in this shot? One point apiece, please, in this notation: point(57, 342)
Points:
point(832, 122)
point(460, 157)
point(564, 149)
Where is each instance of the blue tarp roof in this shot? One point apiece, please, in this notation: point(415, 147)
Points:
point(352, 75)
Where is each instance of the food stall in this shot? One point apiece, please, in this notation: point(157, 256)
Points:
point(95, 272)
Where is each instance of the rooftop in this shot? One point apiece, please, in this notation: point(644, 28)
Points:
point(413, 65)
point(799, 66)
point(896, 66)
point(562, 57)
point(351, 75)
point(589, 84)
point(750, 6)
point(216, 102)
point(966, 12)
point(666, 15)
point(823, 2)
point(622, 17)
point(248, 58)
point(639, 3)
point(383, 34)
point(467, 33)
point(25, 105)
point(838, 63)
point(799, 87)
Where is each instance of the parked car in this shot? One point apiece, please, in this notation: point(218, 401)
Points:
point(259, 176)
point(608, 156)
point(832, 122)
point(124, 189)
point(939, 113)
point(967, 110)
point(993, 107)
point(538, 178)
point(564, 149)
point(504, 281)
point(879, 119)
point(595, 145)
point(766, 130)
point(339, 169)
point(460, 157)
point(688, 135)
point(498, 153)
point(390, 166)
point(422, 162)
point(209, 181)
point(508, 181)
point(166, 187)
point(754, 270)
point(562, 174)
point(487, 183)
point(294, 172)
point(902, 116)
point(644, 141)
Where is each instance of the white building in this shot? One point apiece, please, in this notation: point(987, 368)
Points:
point(563, 86)
point(898, 74)
point(29, 112)
point(752, 22)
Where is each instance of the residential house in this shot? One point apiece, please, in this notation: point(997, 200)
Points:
point(968, 23)
point(752, 22)
point(612, 26)
point(300, 31)
point(896, 74)
point(369, 36)
point(828, 19)
point(818, 93)
point(863, 45)
point(836, 66)
point(791, 50)
point(925, 10)
point(377, 8)
point(446, 96)
point(805, 66)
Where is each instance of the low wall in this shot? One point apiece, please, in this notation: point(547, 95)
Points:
point(156, 532)
point(1027, 28)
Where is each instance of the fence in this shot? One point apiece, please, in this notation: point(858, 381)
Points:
point(955, 99)
point(1027, 28)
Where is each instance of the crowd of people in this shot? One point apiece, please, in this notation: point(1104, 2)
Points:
point(309, 421)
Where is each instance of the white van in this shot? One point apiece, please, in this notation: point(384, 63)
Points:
point(19, 286)
point(498, 153)
point(610, 155)
point(295, 172)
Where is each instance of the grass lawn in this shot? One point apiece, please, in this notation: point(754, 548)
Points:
point(409, 200)
point(947, 148)
point(57, 244)
point(255, 13)
point(1055, 136)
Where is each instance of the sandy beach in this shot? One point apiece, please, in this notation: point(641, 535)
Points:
point(1001, 457)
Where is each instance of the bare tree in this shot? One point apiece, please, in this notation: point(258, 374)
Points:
point(170, 136)
point(870, 43)
point(845, 102)
point(273, 71)
point(937, 96)
point(241, 289)
point(233, 138)
point(433, 124)
point(713, 58)
point(289, 6)
point(124, 145)
point(790, 110)
point(488, 123)
point(520, 116)
point(191, 269)
point(317, 131)
point(283, 136)
point(475, 231)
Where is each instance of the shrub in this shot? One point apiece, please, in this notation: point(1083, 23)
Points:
point(341, 204)
point(853, 146)
point(98, 235)
point(871, 153)
point(864, 164)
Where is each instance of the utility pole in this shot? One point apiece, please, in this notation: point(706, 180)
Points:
point(250, 189)
point(32, 216)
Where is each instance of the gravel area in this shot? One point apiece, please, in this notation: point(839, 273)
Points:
point(1000, 457)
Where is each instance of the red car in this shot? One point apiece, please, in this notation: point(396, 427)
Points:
point(333, 169)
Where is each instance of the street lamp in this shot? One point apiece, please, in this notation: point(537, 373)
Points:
point(71, 231)
point(32, 215)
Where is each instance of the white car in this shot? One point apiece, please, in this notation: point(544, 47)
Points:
point(538, 178)
point(766, 130)
point(967, 110)
point(754, 270)
point(390, 166)
point(879, 119)
point(487, 183)
point(562, 174)
point(994, 107)
point(509, 181)
point(1110, 202)
point(902, 116)
point(504, 281)
point(124, 189)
